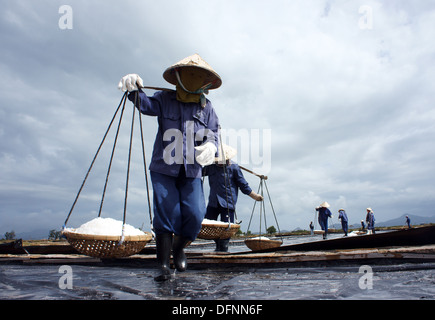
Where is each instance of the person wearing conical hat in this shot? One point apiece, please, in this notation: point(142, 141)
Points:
point(186, 140)
point(324, 214)
point(342, 215)
point(370, 219)
point(225, 179)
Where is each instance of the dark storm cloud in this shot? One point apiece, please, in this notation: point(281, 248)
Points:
point(349, 109)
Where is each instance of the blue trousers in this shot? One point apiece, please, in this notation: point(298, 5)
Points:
point(324, 224)
point(344, 225)
point(226, 216)
point(179, 205)
point(214, 212)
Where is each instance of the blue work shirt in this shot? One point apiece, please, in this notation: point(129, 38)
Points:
point(182, 126)
point(370, 219)
point(343, 216)
point(216, 179)
point(324, 214)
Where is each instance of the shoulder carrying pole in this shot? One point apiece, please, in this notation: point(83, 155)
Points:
point(252, 172)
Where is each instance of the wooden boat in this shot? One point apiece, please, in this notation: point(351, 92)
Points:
point(407, 237)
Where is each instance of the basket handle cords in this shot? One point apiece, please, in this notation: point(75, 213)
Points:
point(121, 103)
point(136, 100)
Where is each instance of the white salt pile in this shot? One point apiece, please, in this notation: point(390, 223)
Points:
point(208, 221)
point(260, 238)
point(106, 227)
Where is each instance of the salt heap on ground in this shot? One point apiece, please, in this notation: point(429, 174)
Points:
point(106, 227)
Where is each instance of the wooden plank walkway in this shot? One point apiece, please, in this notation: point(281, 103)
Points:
point(210, 259)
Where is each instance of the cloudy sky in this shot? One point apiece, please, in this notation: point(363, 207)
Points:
point(332, 100)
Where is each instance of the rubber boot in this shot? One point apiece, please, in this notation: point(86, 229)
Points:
point(163, 248)
point(218, 245)
point(180, 260)
point(224, 245)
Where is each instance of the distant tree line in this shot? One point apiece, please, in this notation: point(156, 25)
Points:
point(270, 231)
point(10, 235)
point(52, 235)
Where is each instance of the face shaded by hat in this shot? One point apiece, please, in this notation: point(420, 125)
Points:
point(195, 64)
point(190, 85)
point(193, 78)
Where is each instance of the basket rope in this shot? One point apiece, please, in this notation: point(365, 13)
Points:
point(123, 243)
point(263, 243)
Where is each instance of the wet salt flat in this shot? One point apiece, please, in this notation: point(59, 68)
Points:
point(320, 282)
point(405, 281)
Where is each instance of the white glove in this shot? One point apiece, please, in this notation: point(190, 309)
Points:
point(130, 82)
point(205, 154)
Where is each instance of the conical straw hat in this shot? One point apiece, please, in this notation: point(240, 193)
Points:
point(229, 153)
point(197, 62)
point(325, 205)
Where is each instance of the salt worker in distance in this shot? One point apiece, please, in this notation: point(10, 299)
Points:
point(186, 140)
point(225, 179)
point(324, 214)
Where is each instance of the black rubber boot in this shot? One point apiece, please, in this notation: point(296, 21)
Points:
point(224, 245)
point(180, 260)
point(218, 245)
point(163, 248)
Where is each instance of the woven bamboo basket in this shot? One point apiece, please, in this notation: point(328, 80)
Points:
point(218, 231)
point(100, 246)
point(261, 244)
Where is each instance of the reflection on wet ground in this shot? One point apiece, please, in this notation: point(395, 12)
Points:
point(405, 281)
point(44, 282)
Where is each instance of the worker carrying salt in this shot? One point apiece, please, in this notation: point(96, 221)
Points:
point(186, 140)
point(344, 221)
point(408, 222)
point(324, 214)
point(370, 219)
point(225, 179)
